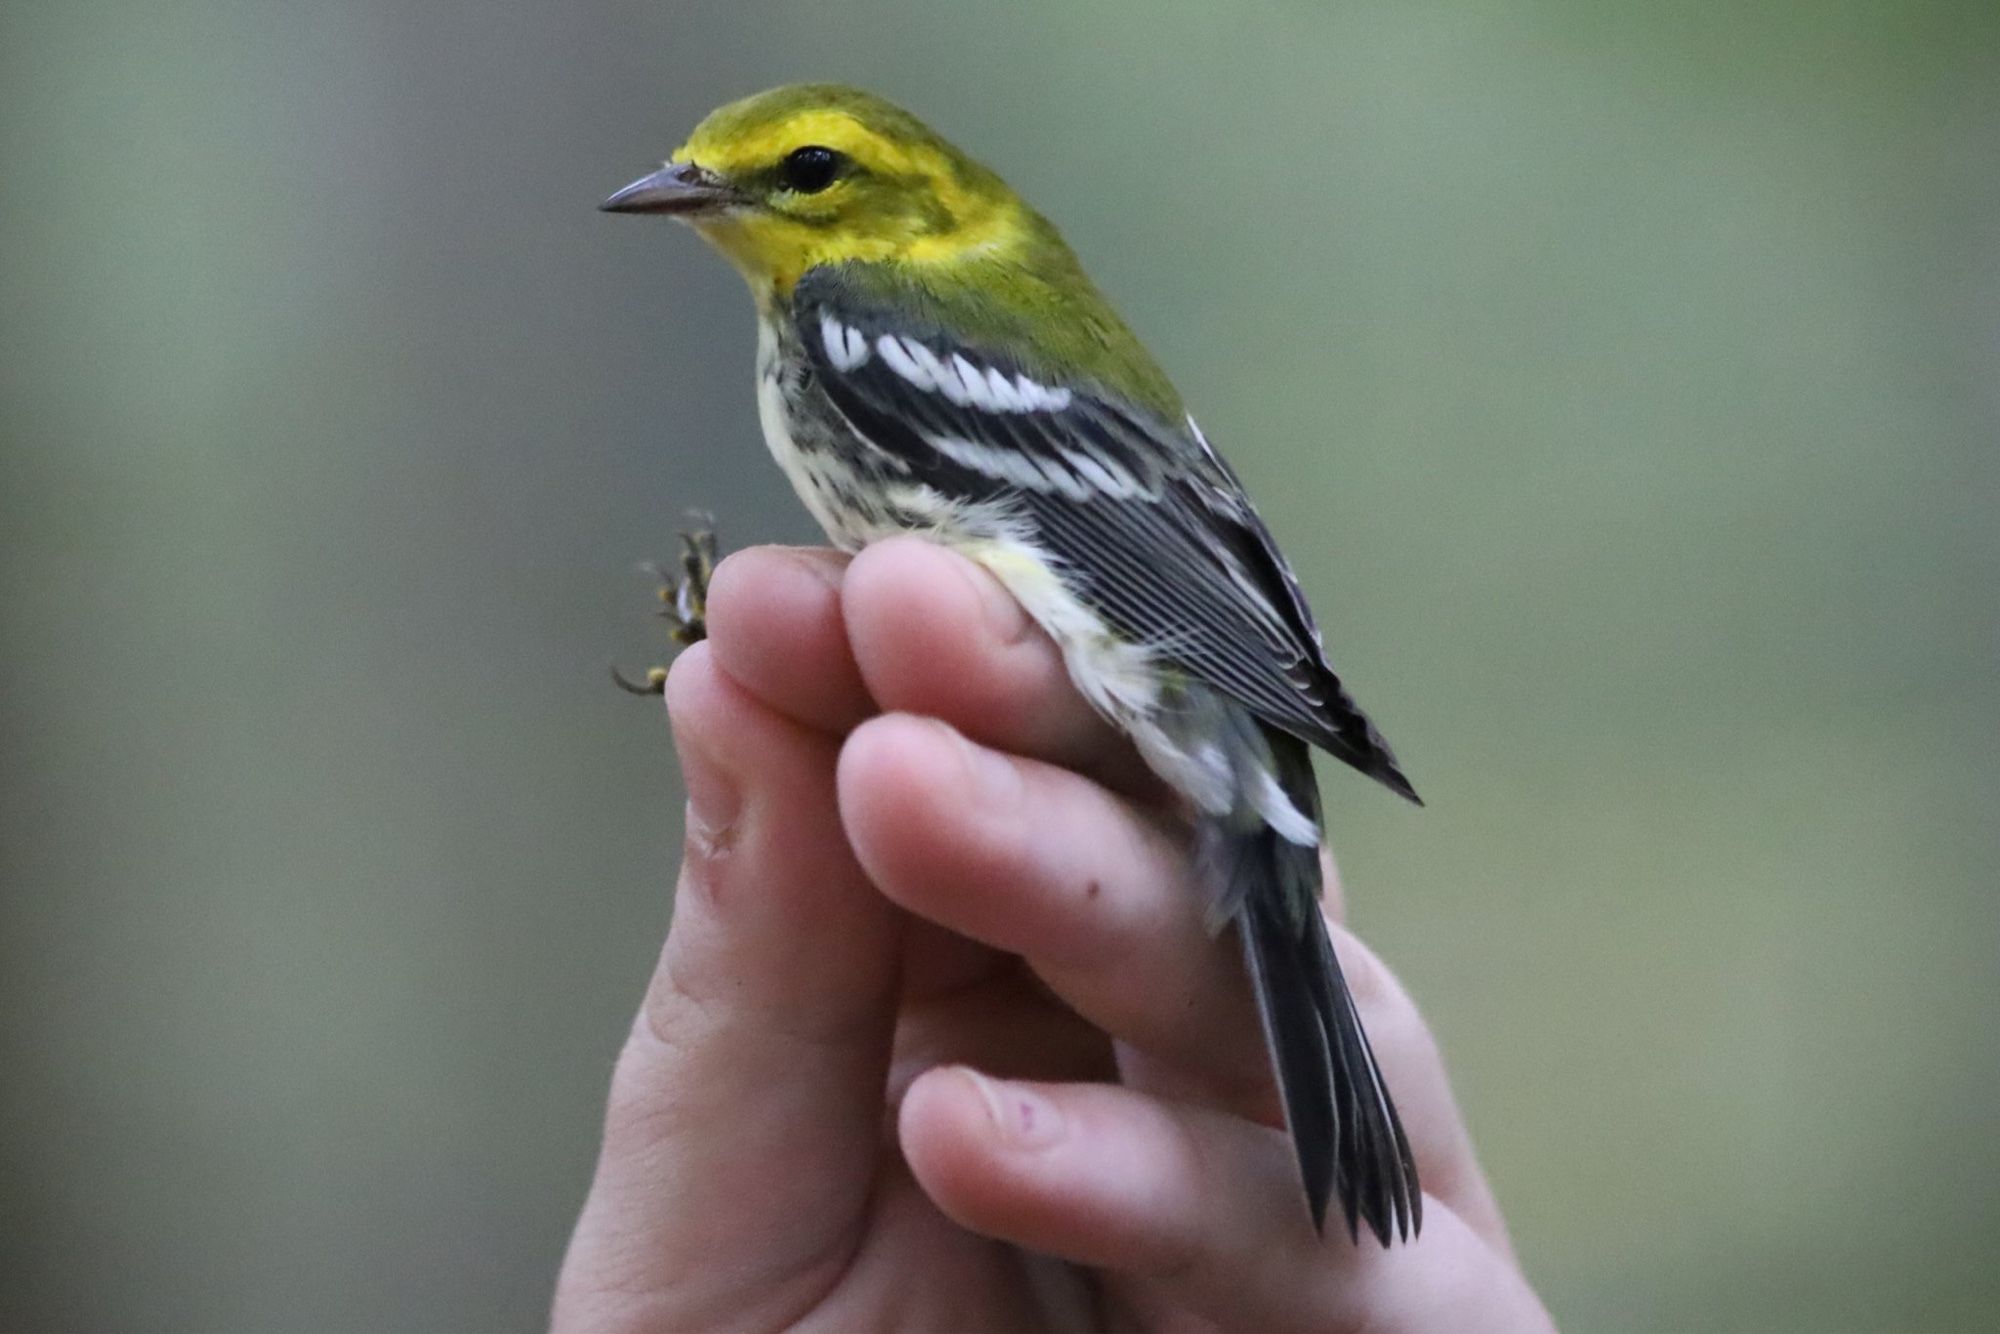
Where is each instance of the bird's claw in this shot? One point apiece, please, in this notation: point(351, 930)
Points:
point(683, 595)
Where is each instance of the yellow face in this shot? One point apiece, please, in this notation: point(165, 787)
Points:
point(818, 174)
point(803, 176)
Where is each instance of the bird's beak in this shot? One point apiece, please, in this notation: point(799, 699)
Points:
point(680, 188)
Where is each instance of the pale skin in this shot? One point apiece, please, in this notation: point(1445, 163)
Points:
point(937, 1040)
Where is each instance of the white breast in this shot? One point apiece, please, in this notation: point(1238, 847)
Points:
point(818, 475)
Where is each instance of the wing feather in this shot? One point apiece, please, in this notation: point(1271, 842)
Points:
point(1155, 532)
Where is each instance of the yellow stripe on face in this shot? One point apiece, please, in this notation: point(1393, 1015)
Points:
point(739, 153)
point(903, 188)
point(773, 250)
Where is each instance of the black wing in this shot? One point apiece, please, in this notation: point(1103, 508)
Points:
point(1154, 530)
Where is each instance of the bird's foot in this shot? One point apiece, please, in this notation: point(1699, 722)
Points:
point(683, 595)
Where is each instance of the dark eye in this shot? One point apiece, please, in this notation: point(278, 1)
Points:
point(811, 169)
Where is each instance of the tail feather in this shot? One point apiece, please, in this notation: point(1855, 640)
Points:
point(1383, 1171)
point(1300, 1057)
point(1343, 1124)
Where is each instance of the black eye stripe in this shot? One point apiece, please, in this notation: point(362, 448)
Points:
point(810, 169)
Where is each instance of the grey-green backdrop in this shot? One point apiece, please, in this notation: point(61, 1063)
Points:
point(1622, 378)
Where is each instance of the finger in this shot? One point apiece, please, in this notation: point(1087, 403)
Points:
point(937, 962)
point(1414, 1069)
point(1189, 1205)
point(1036, 860)
point(934, 634)
point(774, 624)
point(1008, 1024)
point(745, 1110)
point(1332, 893)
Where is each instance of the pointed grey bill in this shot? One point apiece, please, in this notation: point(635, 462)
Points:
point(679, 189)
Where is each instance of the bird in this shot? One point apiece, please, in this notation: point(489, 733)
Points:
point(933, 359)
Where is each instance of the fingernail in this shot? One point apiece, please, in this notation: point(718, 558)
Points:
point(996, 778)
point(1005, 620)
point(1020, 1116)
point(828, 567)
point(713, 799)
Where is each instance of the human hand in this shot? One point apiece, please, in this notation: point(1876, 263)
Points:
point(938, 1041)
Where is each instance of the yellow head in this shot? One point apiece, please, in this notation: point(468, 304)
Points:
point(819, 174)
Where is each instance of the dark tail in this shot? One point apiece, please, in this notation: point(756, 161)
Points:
point(1343, 1124)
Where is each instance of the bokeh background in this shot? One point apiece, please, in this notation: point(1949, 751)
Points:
point(1621, 377)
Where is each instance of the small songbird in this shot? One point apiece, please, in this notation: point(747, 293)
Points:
point(932, 359)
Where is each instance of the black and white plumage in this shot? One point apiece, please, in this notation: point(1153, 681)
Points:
point(1130, 541)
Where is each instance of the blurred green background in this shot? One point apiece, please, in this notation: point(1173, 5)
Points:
point(1621, 378)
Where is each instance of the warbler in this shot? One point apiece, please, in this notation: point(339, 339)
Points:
point(932, 359)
